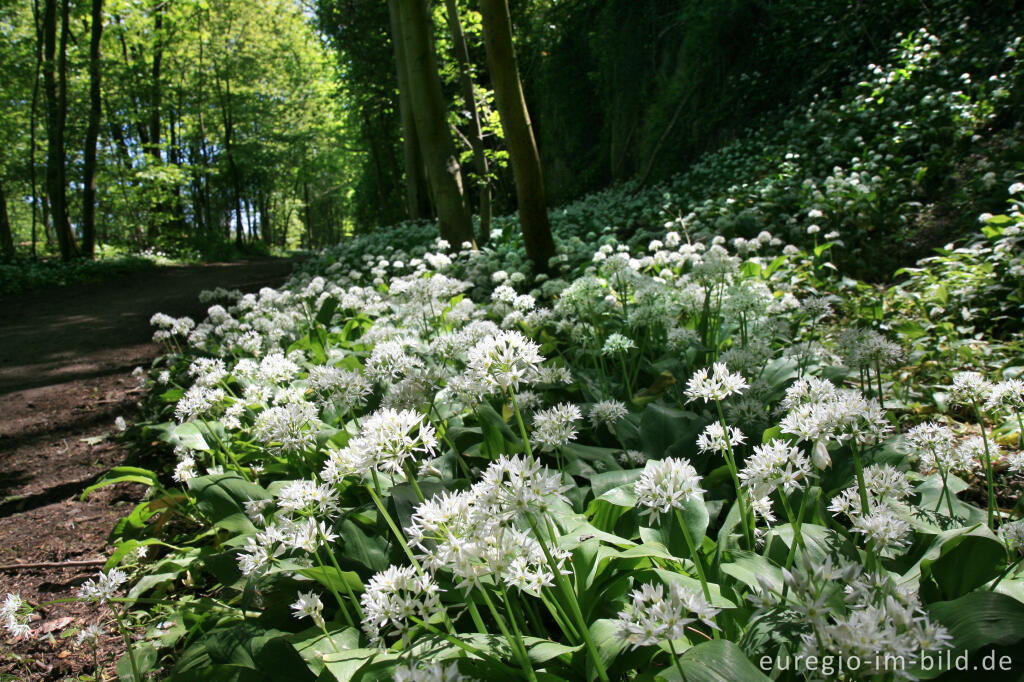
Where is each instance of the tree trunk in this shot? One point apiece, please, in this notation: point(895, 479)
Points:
point(515, 118)
point(92, 134)
point(156, 92)
point(416, 199)
point(309, 216)
point(151, 138)
point(443, 171)
point(6, 241)
point(476, 137)
point(44, 201)
point(55, 85)
point(32, 122)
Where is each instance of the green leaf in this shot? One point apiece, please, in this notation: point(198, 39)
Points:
point(661, 426)
point(222, 498)
point(971, 563)
point(542, 650)
point(344, 665)
point(956, 562)
point(189, 435)
point(981, 618)
point(748, 566)
point(327, 311)
point(250, 645)
point(145, 658)
point(367, 550)
point(313, 645)
point(123, 475)
point(717, 661)
point(602, 483)
point(609, 644)
point(333, 579)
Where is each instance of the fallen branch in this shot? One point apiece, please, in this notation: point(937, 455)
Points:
point(53, 564)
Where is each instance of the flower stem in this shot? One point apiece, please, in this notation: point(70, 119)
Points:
point(730, 459)
point(515, 642)
point(570, 595)
point(127, 645)
point(798, 538)
point(988, 466)
point(522, 426)
point(334, 592)
point(675, 659)
point(858, 469)
point(697, 561)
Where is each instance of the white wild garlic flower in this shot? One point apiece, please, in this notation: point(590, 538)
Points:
point(665, 485)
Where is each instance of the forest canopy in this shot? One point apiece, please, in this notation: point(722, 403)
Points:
point(184, 127)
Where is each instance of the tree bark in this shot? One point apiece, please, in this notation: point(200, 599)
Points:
point(476, 137)
point(55, 86)
point(156, 91)
point(417, 200)
point(32, 122)
point(151, 140)
point(443, 171)
point(515, 118)
point(92, 134)
point(6, 241)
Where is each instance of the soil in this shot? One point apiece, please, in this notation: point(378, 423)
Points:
point(66, 356)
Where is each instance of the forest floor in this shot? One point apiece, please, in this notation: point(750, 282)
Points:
point(66, 357)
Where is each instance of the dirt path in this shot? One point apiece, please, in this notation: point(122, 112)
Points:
point(66, 356)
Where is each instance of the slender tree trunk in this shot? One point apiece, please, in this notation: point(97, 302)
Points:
point(151, 140)
point(55, 84)
point(6, 241)
point(156, 91)
point(443, 171)
point(476, 136)
point(92, 134)
point(266, 226)
point(416, 190)
point(32, 122)
point(309, 216)
point(515, 118)
point(44, 201)
point(375, 156)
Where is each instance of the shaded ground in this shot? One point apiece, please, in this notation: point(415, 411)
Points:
point(66, 356)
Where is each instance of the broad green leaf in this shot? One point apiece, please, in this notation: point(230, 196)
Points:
point(602, 483)
point(313, 645)
point(189, 435)
point(747, 567)
point(145, 658)
point(123, 475)
point(326, 312)
point(609, 644)
point(344, 665)
point(332, 578)
point(981, 618)
point(222, 498)
point(717, 661)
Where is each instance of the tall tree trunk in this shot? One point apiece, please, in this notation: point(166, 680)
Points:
point(476, 137)
point(443, 171)
point(416, 190)
point(156, 91)
point(32, 122)
point(151, 140)
point(375, 156)
point(515, 118)
point(309, 216)
point(92, 134)
point(6, 241)
point(55, 85)
point(266, 225)
point(44, 201)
